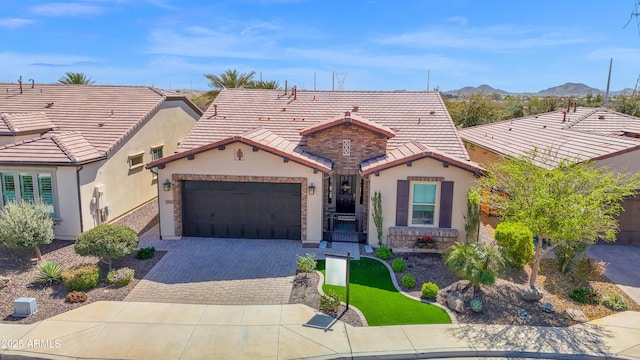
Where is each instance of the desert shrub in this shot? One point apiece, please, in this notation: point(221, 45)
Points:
point(584, 295)
point(515, 241)
point(107, 241)
point(120, 277)
point(408, 281)
point(589, 269)
point(383, 252)
point(306, 263)
point(329, 302)
point(429, 290)
point(76, 297)
point(476, 305)
point(81, 278)
point(146, 253)
point(25, 225)
point(475, 262)
point(614, 301)
point(49, 273)
point(398, 265)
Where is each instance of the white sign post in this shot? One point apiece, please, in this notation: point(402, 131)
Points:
point(337, 271)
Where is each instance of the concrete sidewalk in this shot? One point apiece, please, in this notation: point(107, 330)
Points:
point(133, 330)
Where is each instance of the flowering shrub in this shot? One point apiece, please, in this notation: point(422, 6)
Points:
point(120, 277)
point(81, 278)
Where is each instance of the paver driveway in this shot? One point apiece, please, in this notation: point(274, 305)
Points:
point(622, 266)
point(223, 271)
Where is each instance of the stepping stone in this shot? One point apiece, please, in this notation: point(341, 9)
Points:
point(368, 249)
point(577, 315)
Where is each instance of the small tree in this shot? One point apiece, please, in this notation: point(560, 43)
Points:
point(472, 224)
point(108, 242)
point(25, 225)
point(516, 243)
point(476, 263)
point(377, 214)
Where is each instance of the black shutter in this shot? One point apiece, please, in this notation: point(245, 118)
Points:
point(402, 203)
point(446, 204)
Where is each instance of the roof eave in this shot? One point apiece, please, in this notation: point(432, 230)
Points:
point(427, 154)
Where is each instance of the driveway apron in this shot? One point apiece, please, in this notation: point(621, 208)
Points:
point(622, 266)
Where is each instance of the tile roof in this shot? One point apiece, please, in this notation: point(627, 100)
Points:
point(412, 151)
point(262, 139)
point(20, 123)
point(580, 136)
point(51, 148)
point(102, 115)
point(420, 116)
point(348, 117)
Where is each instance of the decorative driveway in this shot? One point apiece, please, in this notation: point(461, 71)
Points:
point(622, 266)
point(223, 271)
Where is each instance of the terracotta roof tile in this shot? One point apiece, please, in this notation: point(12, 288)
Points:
point(351, 118)
point(52, 148)
point(20, 123)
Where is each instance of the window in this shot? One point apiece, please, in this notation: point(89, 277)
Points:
point(28, 186)
point(423, 203)
point(156, 153)
point(136, 161)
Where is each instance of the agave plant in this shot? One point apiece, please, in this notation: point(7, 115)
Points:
point(49, 273)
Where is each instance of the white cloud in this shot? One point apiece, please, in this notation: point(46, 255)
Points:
point(14, 23)
point(67, 9)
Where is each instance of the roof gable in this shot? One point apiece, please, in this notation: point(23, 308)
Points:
point(348, 118)
point(51, 148)
point(25, 123)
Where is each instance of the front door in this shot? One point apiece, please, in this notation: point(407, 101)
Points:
point(345, 194)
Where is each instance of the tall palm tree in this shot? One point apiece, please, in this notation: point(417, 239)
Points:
point(230, 79)
point(75, 78)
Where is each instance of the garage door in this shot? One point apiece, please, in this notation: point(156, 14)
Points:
point(241, 210)
point(629, 222)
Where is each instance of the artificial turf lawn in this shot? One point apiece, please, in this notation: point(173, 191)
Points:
point(373, 293)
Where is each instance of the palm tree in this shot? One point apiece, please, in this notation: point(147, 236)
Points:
point(75, 78)
point(476, 263)
point(230, 79)
point(263, 84)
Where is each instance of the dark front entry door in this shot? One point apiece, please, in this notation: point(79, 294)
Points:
point(345, 197)
point(241, 210)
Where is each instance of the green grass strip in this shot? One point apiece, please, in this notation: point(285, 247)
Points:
point(373, 293)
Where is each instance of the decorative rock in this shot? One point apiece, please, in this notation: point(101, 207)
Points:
point(577, 315)
point(548, 307)
point(523, 313)
point(4, 282)
point(533, 295)
point(455, 303)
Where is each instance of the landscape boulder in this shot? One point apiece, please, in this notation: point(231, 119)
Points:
point(454, 302)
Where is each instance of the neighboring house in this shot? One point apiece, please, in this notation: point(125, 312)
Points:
point(81, 149)
point(606, 137)
point(303, 165)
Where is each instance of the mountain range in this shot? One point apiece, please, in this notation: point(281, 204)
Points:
point(568, 89)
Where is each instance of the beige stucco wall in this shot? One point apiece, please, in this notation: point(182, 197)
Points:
point(66, 198)
point(386, 183)
point(222, 162)
point(125, 189)
point(627, 162)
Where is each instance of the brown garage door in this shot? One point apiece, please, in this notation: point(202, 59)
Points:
point(241, 210)
point(629, 222)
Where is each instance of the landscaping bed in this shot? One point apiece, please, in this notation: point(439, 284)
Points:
point(17, 266)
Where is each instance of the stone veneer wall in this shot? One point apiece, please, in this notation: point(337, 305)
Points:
point(177, 194)
point(403, 238)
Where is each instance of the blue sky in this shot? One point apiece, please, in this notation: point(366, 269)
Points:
point(513, 45)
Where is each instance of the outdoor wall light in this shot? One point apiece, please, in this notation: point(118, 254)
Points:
point(166, 186)
point(312, 189)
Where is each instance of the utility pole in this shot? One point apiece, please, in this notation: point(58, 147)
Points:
point(428, 78)
point(606, 94)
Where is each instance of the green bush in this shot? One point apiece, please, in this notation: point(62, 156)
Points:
point(584, 295)
point(429, 290)
point(383, 252)
point(25, 225)
point(589, 269)
point(329, 302)
point(306, 263)
point(146, 253)
point(398, 265)
point(76, 297)
point(49, 273)
point(515, 241)
point(614, 301)
point(81, 278)
point(120, 277)
point(408, 281)
point(108, 242)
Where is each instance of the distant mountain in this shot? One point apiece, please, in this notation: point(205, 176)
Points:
point(576, 89)
point(485, 89)
point(625, 91)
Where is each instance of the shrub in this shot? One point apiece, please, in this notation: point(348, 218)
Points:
point(398, 265)
point(589, 269)
point(329, 302)
point(76, 297)
point(408, 281)
point(120, 277)
point(614, 301)
point(383, 252)
point(584, 295)
point(81, 278)
point(26, 225)
point(306, 263)
point(476, 305)
point(49, 273)
point(108, 241)
point(146, 253)
point(429, 290)
point(567, 254)
point(515, 241)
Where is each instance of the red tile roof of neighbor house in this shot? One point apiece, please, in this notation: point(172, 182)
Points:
point(91, 120)
point(580, 135)
point(403, 117)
